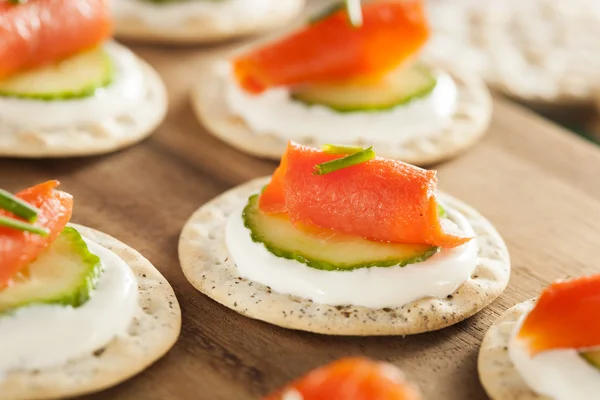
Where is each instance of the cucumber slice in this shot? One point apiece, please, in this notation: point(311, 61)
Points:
point(75, 77)
point(399, 87)
point(66, 273)
point(592, 357)
point(327, 250)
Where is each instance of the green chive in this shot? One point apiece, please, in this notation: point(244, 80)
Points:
point(354, 10)
point(340, 149)
point(328, 12)
point(17, 1)
point(17, 206)
point(345, 162)
point(22, 226)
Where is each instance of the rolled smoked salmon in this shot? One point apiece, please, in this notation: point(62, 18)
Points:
point(381, 199)
point(566, 315)
point(351, 379)
point(44, 31)
point(18, 248)
point(331, 50)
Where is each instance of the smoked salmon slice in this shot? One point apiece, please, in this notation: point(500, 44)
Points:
point(350, 379)
point(39, 32)
point(331, 50)
point(566, 315)
point(18, 248)
point(381, 199)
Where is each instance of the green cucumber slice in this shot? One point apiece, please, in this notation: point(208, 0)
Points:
point(592, 357)
point(73, 78)
point(326, 250)
point(66, 273)
point(399, 87)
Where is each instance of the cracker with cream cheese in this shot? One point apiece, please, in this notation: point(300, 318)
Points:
point(202, 29)
point(153, 331)
point(540, 51)
point(497, 373)
point(469, 123)
point(99, 137)
point(206, 264)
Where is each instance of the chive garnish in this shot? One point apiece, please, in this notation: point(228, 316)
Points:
point(345, 162)
point(22, 226)
point(340, 149)
point(15, 205)
point(354, 11)
point(441, 211)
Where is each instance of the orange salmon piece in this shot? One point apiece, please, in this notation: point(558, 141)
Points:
point(352, 379)
point(44, 31)
point(381, 199)
point(331, 50)
point(18, 249)
point(272, 199)
point(566, 315)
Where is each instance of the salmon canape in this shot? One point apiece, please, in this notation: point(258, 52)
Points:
point(550, 345)
point(200, 21)
point(340, 241)
point(79, 310)
point(65, 88)
point(332, 81)
point(350, 379)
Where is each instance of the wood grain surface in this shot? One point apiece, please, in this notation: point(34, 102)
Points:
point(538, 184)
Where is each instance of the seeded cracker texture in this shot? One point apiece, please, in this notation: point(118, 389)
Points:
point(153, 331)
point(541, 51)
point(207, 265)
point(99, 137)
point(201, 29)
point(496, 371)
point(469, 123)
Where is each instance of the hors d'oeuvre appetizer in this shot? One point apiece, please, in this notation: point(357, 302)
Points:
point(350, 379)
point(200, 21)
point(65, 89)
point(79, 310)
point(546, 348)
point(539, 51)
point(354, 85)
point(339, 241)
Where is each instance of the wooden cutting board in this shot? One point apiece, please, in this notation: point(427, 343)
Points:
point(537, 183)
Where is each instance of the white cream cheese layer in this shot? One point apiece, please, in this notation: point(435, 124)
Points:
point(227, 13)
point(559, 374)
point(122, 95)
point(375, 287)
point(45, 336)
point(275, 113)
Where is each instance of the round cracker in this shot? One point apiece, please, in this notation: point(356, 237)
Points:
point(100, 137)
point(469, 123)
point(497, 373)
point(207, 265)
point(198, 29)
point(539, 51)
point(153, 331)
